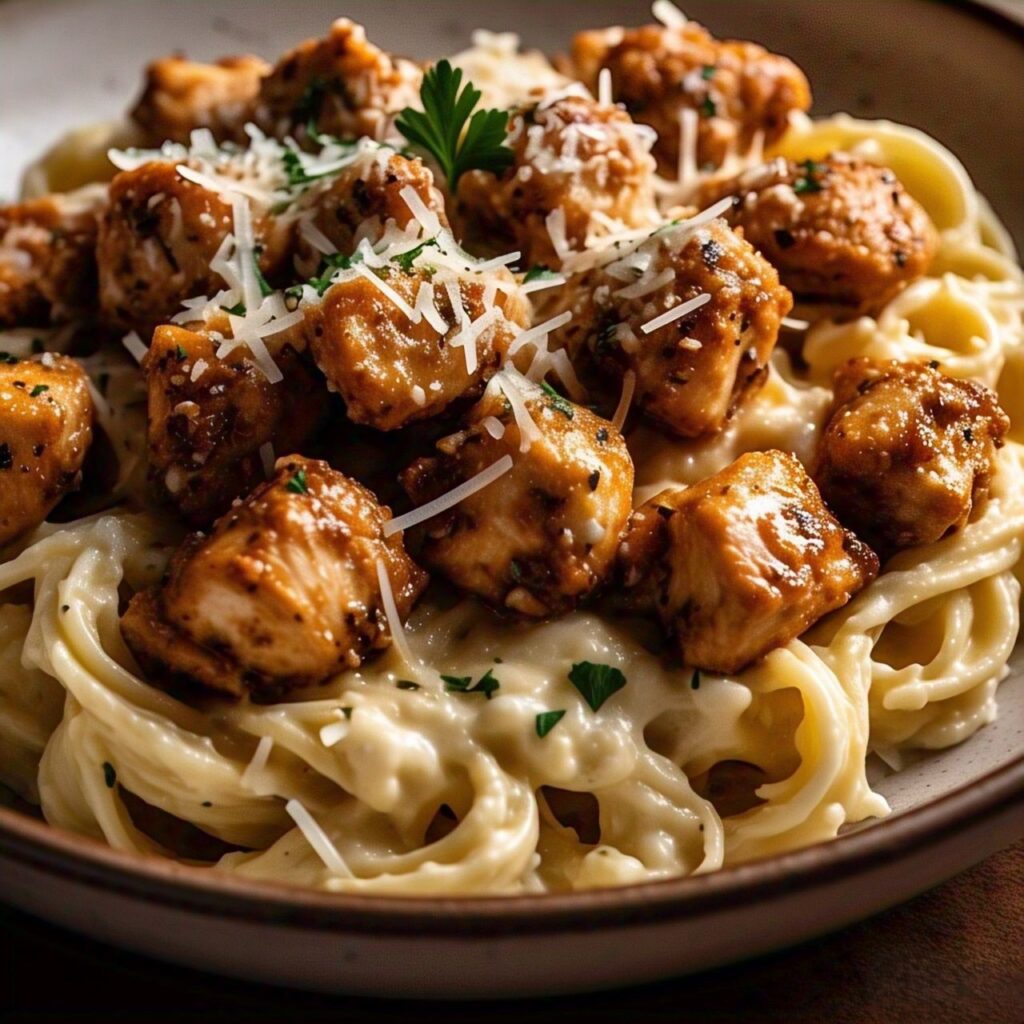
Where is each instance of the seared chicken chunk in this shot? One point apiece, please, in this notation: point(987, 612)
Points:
point(691, 372)
point(541, 537)
point(283, 593)
point(392, 370)
point(181, 95)
point(575, 162)
point(742, 562)
point(840, 229)
point(46, 417)
point(157, 241)
point(738, 89)
point(48, 258)
point(908, 453)
point(363, 199)
point(209, 417)
point(342, 84)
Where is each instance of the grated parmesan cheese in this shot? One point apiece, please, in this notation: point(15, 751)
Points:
point(135, 346)
point(675, 313)
point(387, 595)
point(317, 839)
point(626, 399)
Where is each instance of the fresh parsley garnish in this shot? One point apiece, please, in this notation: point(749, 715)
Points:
point(407, 684)
point(708, 108)
point(180, 352)
point(238, 309)
point(38, 390)
point(538, 272)
point(297, 484)
point(807, 182)
point(405, 259)
point(486, 684)
point(547, 720)
point(556, 401)
point(330, 265)
point(441, 129)
point(596, 682)
point(6, 357)
point(708, 72)
point(695, 679)
point(109, 775)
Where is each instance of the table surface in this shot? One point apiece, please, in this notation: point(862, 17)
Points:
point(954, 954)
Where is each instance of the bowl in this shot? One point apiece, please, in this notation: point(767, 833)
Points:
point(948, 69)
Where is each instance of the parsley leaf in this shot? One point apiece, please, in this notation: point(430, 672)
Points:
point(180, 352)
point(708, 72)
point(708, 108)
point(297, 484)
point(238, 309)
point(265, 288)
point(596, 682)
point(547, 720)
point(325, 274)
point(556, 401)
point(486, 684)
point(441, 128)
point(38, 390)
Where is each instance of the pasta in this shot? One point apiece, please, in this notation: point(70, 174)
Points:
point(385, 781)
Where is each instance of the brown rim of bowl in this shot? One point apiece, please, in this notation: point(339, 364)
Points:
point(82, 859)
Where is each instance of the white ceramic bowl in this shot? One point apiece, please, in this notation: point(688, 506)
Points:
point(957, 73)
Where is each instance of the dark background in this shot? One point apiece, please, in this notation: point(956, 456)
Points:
point(954, 955)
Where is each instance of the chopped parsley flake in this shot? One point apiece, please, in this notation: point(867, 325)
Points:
point(708, 108)
point(6, 357)
point(181, 354)
point(538, 272)
point(330, 265)
point(265, 288)
point(297, 484)
point(38, 390)
point(596, 682)
point(547, 720)
point(807, 182)
point(405, 259)
point(708, 72)
point(486, 684)
point(556, 401)
point(238, 309)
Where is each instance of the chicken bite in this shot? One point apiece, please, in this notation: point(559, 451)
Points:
point(541, 537)
point(577, 164)
point(48, 258)
point(209, 417)
point(908, 453)
point(691, 371)
point(392, 370)
point(343, 85)
point(363, 199)
point(741, 563)
point(158, 239)
point(181, 95)
point(46, 420)
point(839, 230)
point(738, 89)
point(284, 593)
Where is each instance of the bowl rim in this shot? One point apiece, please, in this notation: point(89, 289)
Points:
point(83, 859)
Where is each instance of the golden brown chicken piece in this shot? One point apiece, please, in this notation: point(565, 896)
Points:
point(543, 536)
point(692, 372)
point(157, 240)
point(908, 453)
point(363, 198)
point(738, 89)
point(574, 158)
point(742, 562)
point(208, 417)
point(284, 592)
point(181, 95)
point(343, 84)
point(46, 417)
point(391, 370)
point(48, 258)
point(840, 229)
